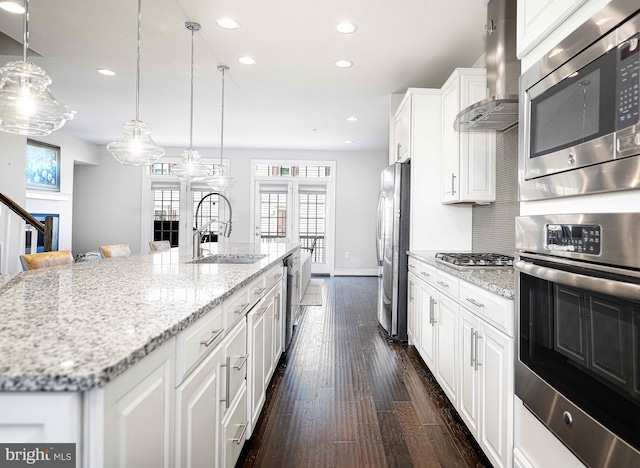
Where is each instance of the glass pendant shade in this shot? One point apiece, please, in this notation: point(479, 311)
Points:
point(220, 180)
point(27, 107)
point(135, 147)
point(190, 167)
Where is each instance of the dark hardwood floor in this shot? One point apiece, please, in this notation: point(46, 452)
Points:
point(346, 396)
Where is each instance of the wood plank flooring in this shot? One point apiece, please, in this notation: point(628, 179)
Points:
point(345, 396)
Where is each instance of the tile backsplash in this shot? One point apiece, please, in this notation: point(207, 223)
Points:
point(494, 224)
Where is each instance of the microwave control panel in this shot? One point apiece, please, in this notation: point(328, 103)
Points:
point(628, 83)
point(579, 238)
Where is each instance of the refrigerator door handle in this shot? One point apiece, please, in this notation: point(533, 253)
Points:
point(380, 227)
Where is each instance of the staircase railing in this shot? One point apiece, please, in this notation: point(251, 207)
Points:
point(46, 229)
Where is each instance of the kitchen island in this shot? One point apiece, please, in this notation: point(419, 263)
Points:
point(72, 334)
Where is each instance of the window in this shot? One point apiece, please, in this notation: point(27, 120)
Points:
point(166, 216)
point(273, 216)
point(312, 221)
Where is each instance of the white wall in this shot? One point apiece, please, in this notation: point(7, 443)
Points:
point(107, 201)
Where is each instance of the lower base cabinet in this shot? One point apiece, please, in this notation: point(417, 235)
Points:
point(466, 340)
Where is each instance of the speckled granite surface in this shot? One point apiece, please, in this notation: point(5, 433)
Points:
point(75, 327)
point(499, 280)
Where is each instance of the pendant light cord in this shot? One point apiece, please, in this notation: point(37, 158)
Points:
point(191, 116)
point(222, 69)
point(25, 31)
point(138, 63)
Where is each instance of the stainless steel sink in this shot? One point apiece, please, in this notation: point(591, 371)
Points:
point(230, 259)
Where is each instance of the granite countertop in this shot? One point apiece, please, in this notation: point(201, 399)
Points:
point(499, 280)
point(76, 327)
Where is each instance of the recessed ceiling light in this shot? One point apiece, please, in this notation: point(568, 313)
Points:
point(228, 23)
point(346, 28)
point(247, 60)
point(343, 63)
point(352, 118)
point(348, 142)
point(12, 7)
point(105, 71)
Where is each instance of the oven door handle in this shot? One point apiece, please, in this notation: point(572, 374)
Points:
point(610, 287)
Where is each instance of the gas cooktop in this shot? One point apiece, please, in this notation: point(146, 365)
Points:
point(468, 259)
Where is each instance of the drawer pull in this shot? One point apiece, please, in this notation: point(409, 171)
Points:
point(240, 437)
point(261, 311)
point(443, 284)
point(241, 308)
point(427, 275)
point(242, 362)
point(216, 334)
point(474, 302)
point(259, 291)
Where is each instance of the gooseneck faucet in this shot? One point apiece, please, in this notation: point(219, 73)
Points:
point(197, 235)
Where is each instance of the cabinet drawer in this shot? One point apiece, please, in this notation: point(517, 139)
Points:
point(194, 343)
point(257, 289)
point(235, 350)
point(236, 307)
point(428, 273)
point(273, 276)
point(447, 284)
point(497, 310)
point(234, 430)
point(413, 265)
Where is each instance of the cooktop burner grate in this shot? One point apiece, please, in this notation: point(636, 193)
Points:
point(475, 259)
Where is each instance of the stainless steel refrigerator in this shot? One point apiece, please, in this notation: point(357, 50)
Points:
point(392, 245)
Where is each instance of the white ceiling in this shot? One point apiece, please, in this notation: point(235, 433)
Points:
point(277, 103)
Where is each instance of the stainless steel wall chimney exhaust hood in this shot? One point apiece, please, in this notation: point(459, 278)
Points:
point(500, 111)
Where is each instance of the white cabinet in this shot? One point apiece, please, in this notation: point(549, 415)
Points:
point(537, 18)
point(446, 349)
point(138, 412)
point(197, 417)
point(265, 328)
point(403, 131)
point(468, 158)
point(413, 311)
point(429, 324)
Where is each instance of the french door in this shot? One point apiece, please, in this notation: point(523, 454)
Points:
point(296, 211)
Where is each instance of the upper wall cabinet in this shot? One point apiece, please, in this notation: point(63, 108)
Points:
point(537, 18)
point(403, 128)
point(468, 158)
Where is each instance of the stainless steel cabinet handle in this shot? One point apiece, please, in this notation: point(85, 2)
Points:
point(241, 308)
point(443, 284)
point(242, 362)
point(262, 310)
point(259, 291)
point(473, 348)
point(216, 334)
point(398, 151)
point(276, 311)
point(228, 382)
point(478, 363)
point(474, 302)
point(240, 437)
point(432, 310)
point(426, 275)
point(453, 183)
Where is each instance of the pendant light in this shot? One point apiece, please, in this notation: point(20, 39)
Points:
point(135, 147)
point(220, 180)
point(190, 167)
point(27, 107)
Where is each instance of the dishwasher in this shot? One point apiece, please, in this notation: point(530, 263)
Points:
point(292, 264)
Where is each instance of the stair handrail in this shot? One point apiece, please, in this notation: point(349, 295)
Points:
point(46, 229)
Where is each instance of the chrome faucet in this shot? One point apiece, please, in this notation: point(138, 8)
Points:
point(226, 226)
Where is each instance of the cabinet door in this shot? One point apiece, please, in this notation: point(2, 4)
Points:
point(537, 18)
point(278, 326)
point(403, 132)
point(496, 395)
point(446, 346)
point(450, 144)
point(138, 412)
point(255, 381)
point(234, 431)
point(413, 311)
point(428, 309)
point(197, 417)
point(269, 326)
point(469, 328)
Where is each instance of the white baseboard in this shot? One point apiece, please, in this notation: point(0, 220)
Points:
point(358, 272)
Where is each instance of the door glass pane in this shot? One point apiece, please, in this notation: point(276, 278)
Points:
point(273, 217)
point(312, 222)
point(166, 219)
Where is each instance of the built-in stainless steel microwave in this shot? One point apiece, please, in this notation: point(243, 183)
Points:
point(580, 110)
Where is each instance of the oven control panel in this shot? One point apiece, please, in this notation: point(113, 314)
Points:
point(580, 238)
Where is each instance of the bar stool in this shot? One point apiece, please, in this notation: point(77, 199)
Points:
point(160, 245)
point(115, 250)
point(45, 259)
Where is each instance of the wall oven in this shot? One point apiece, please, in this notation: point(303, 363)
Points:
point(580, 110)
point(578, 347)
